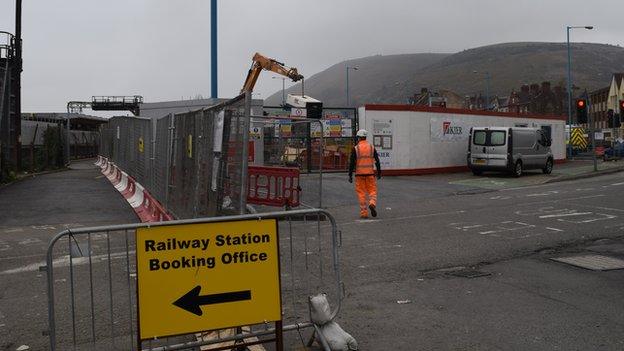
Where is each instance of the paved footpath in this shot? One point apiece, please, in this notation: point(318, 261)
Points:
point(32, 211)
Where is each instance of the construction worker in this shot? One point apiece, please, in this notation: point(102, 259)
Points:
point(362, 156)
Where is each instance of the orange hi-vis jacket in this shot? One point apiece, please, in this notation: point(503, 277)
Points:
point(364, 152)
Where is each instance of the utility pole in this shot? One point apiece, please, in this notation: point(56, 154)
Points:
point(213, 49)
point(568, 147)
point(18, 84)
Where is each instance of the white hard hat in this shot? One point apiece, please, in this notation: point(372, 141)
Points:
point(362, 133)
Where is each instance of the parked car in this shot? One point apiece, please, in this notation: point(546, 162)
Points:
point(614, 152)
point(505, 149)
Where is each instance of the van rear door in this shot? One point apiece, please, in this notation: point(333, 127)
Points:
point(497, 148)
point(489, 147)
point(478, 147)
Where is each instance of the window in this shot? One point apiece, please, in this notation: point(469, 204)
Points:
point(479, 137)
point(489, 138)
point(497, 138)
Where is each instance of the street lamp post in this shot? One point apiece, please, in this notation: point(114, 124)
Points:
point(568, 148)
point(213, 49)
point(283, 89)
point(355, 68)
point(487, 88)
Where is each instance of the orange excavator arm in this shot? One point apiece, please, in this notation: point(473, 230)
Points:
point(261, 62)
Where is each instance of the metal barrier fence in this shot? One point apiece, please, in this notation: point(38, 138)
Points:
point(128, 141)
point(192, 162)
point(297, 145)
point(92, 287)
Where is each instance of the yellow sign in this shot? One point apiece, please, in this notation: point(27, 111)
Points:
point(189, 146)
point(141, 145)
point(578, 138)
point(196, 277)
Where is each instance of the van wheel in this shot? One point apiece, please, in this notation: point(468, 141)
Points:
point(517, 172)
point(477, 172)
point(549, 166)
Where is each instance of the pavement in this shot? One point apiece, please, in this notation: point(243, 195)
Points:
point(400, 269)
point(32, 211)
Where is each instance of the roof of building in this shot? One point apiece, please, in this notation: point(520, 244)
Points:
point(618, 78)
point(600, 91)
point(415, 108)
point(61, 116)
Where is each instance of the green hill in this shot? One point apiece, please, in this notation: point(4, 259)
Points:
point(394, 78)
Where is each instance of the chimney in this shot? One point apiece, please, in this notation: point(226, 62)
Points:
point(546, 87)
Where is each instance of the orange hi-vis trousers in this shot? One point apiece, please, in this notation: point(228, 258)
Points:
point(366, 185)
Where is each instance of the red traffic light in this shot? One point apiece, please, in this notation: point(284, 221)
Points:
point(622, 105)
point(580, 103)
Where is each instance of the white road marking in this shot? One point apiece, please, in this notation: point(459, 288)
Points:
point(554, 229)
point(13, 230)
point(595, 219)
point(616, 184)
point(559, 200)
point(367, 220)
point(43, 227)
point(29, 241)
point(402, 218)
point(544, 194)
point(603, 208)
point(566, 214)
point(64, 262)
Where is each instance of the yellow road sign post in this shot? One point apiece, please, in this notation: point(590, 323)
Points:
point(197, 277)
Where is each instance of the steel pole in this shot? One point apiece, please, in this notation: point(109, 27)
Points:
point(213, 49)
point(67, 143)
point(347, 87)
point(568, 146)
point(593, 136)
point(245, 153)
point(487, 91)
point(283, 92)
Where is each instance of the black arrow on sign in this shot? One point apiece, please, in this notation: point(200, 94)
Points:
point(192, 301)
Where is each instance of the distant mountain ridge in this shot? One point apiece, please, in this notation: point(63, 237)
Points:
point(395, 78)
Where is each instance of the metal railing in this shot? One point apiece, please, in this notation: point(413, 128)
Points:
point(192, 162)
point(92, 287)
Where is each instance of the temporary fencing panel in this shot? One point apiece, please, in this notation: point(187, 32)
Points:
point(287, 143)
point(197, 167)
point(162, 157)
point(92, 283)
point(131, 145)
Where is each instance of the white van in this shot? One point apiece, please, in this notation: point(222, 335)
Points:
point(506, 149)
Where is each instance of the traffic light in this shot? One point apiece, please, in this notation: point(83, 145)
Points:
point(621, 104)
point(581, 111)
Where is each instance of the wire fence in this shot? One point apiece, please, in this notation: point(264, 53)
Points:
point(92, 284)
point(128, 143)
point(191, 162)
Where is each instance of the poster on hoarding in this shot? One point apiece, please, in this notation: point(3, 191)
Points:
point(382, 140)
point(449, 130)
point(315, 130)
point(285, 128)
point(347, 129)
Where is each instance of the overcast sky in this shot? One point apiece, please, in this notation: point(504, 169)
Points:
point(160, 49)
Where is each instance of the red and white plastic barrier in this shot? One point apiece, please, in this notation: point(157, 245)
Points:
point(123, 182)
point(143, 203)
